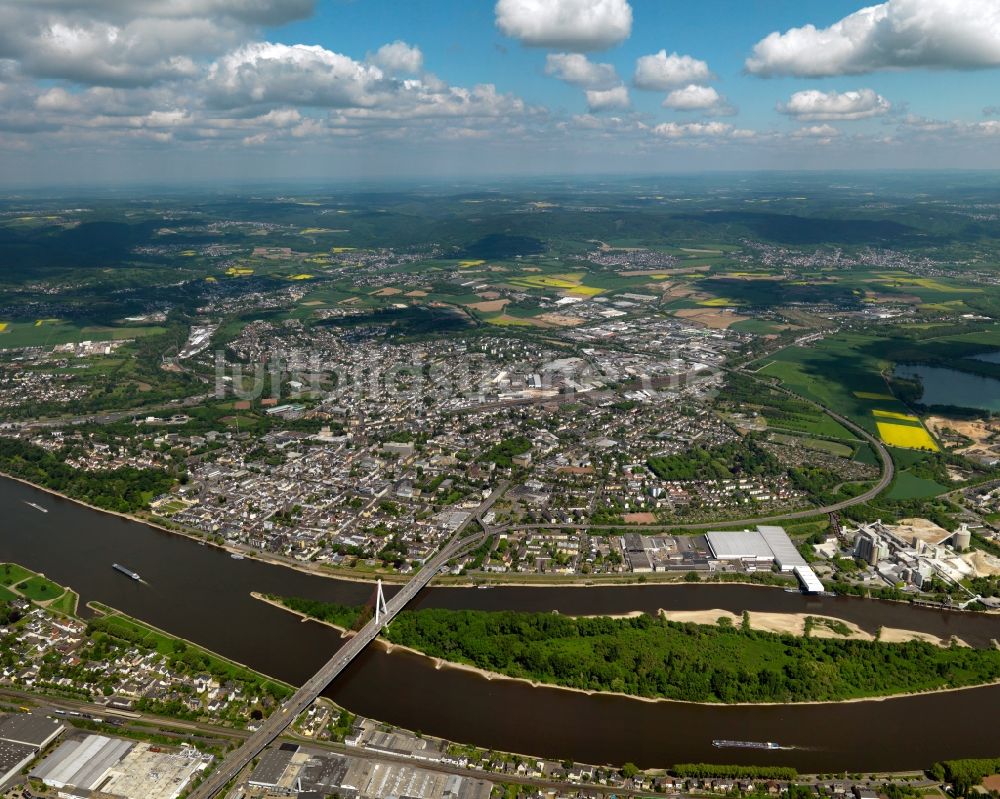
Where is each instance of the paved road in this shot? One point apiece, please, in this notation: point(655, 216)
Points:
point(888, 472)
point(109, 417)
point(278, 722)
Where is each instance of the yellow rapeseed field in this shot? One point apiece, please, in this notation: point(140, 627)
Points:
point(717, 302)
point(903, 417)
point(871, 395)
point(903, 435)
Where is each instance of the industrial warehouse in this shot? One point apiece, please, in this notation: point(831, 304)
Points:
point(22, 737)
point(747, 550)
point(116, 767)
point(762, 548)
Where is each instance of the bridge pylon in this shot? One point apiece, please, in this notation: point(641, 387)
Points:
point(380, 609)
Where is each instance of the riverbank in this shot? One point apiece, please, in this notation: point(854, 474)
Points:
point(440, 663)
point(797, 623)
point(777, 623)
point(443, 581)
point(251, 554)
point(344, 632)
point(107, 612)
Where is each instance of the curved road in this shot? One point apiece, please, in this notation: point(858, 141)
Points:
point(888, 472)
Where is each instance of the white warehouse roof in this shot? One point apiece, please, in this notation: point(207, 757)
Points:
point(746, 545)
point(82, 763)
point(766, 543)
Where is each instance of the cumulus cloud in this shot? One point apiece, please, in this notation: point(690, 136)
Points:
point(140, 53)
point(696, 98)
point(577, 25)
point(300, 74)
point(268, 74)
point(700, 130)
point(816, 132)
point(897, 34)
point(398, 57)
point(948, 130)
point(608, 99)
point(814, 105)
point(578, 70)
point(660, 72)
point(256, 12)
point(121, 43)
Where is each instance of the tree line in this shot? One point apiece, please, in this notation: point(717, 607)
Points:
point(652, 657)
point(124, 490)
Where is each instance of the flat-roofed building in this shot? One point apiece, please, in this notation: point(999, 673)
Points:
point(766, 545)
point(272, 767)
point(13, 758)
point(747, 546)
point(30, 728)
point(82, 763)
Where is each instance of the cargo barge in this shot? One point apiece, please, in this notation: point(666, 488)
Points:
point(127, 572)
point(724, 744)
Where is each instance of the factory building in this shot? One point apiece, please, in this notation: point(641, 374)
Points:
point(760, 548)
point(22, 737)
point(870, 547)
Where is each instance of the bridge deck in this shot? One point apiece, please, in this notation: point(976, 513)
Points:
point(278, 722)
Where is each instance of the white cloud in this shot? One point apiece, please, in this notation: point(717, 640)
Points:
point(695, 98)
point(578, 25)
point(814, 105)
point(608, 99)
point(660, 72)
point(300, 74)
point(696, 130)
point(605, 125)
point(265, 74)
point(398, 57)
point(255, 12)
point(949, 131)
point(897, 34)
point(123, 43)
point(578, 70)
point(140, 53)
point(816, 132)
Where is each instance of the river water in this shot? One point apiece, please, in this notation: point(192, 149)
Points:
point(202, 594)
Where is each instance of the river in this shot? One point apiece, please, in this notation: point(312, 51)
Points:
point(202, 594)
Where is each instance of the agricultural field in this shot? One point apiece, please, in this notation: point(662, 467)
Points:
point(906, 436)
point(840, 373)
point(50, 332)
point(909, 486)
point(572, 284)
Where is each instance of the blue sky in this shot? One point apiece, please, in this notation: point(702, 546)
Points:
point(111, 89)
point(461, 43)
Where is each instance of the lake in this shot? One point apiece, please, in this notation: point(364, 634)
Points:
point(943, 386)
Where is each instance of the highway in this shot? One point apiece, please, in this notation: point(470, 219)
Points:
point(275, 724)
